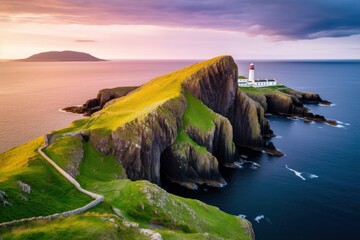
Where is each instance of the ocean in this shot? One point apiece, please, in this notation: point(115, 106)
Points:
point(313, 192)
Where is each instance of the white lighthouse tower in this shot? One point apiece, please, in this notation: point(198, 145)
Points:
point(252, 74)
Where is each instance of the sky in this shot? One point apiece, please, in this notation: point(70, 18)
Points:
point(182, 29)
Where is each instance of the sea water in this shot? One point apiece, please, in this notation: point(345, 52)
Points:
point(313, 192)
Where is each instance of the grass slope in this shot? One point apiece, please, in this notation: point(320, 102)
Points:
point(174, 217)
point(85, 226)
point(50, 192)
point(197, 115)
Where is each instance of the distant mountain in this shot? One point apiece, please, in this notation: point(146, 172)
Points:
point(56, 56)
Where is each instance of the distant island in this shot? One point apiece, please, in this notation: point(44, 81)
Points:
point(60, 56)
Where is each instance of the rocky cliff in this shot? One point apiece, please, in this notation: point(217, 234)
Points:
point(138, 144)
point(184, 124)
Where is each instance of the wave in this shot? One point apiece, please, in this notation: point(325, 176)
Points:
point(296, 172)
point(243, 216)
point(312, 175)
point(258, 218)
point(301, 174)
point(278, 137)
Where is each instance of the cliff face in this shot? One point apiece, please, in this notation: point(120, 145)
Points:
point(138, 144)
point(197, 153)
point(215, 85)
point(249, 122)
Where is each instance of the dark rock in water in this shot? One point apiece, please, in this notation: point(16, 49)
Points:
point(331, 122)
point(76, 109)
point(105, 95)
point(91, 103)
point(96, 104)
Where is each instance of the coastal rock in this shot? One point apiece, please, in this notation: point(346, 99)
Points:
point(107, 94)
point(218, 140)
point(310, 98)
point(290, 103)
point(190, 165)
point(250, 125)
point(196, 161)
point(96, 104)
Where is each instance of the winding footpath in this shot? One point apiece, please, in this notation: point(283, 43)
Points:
point(97, 198)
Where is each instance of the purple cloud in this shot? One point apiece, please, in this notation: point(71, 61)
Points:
point(291, 19)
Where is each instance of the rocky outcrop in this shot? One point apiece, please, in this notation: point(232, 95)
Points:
point(107, 94)
point(251, 126)
point(3, 199)
point(311, 98)
point(288, 102)
point(138, 144)
point(218, 140)
point(190, 165)
point(96, 104)
point(200, 154)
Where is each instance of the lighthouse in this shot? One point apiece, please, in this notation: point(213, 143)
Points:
point(252, 74)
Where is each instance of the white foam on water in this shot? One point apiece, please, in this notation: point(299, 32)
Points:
point(312, 122)
point(238, 165)
point(296, 173)
point(258, 218)
point(339, 122)
point(60, 110)
point(293, 118)
point(278, 137)
point(312, 175)
point(347, 124)
point(268, 219)
point(243, 216)
point(332, 105)
point(320, 127)
point(337, 126)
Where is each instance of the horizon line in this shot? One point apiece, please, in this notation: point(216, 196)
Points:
point(191, 59)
